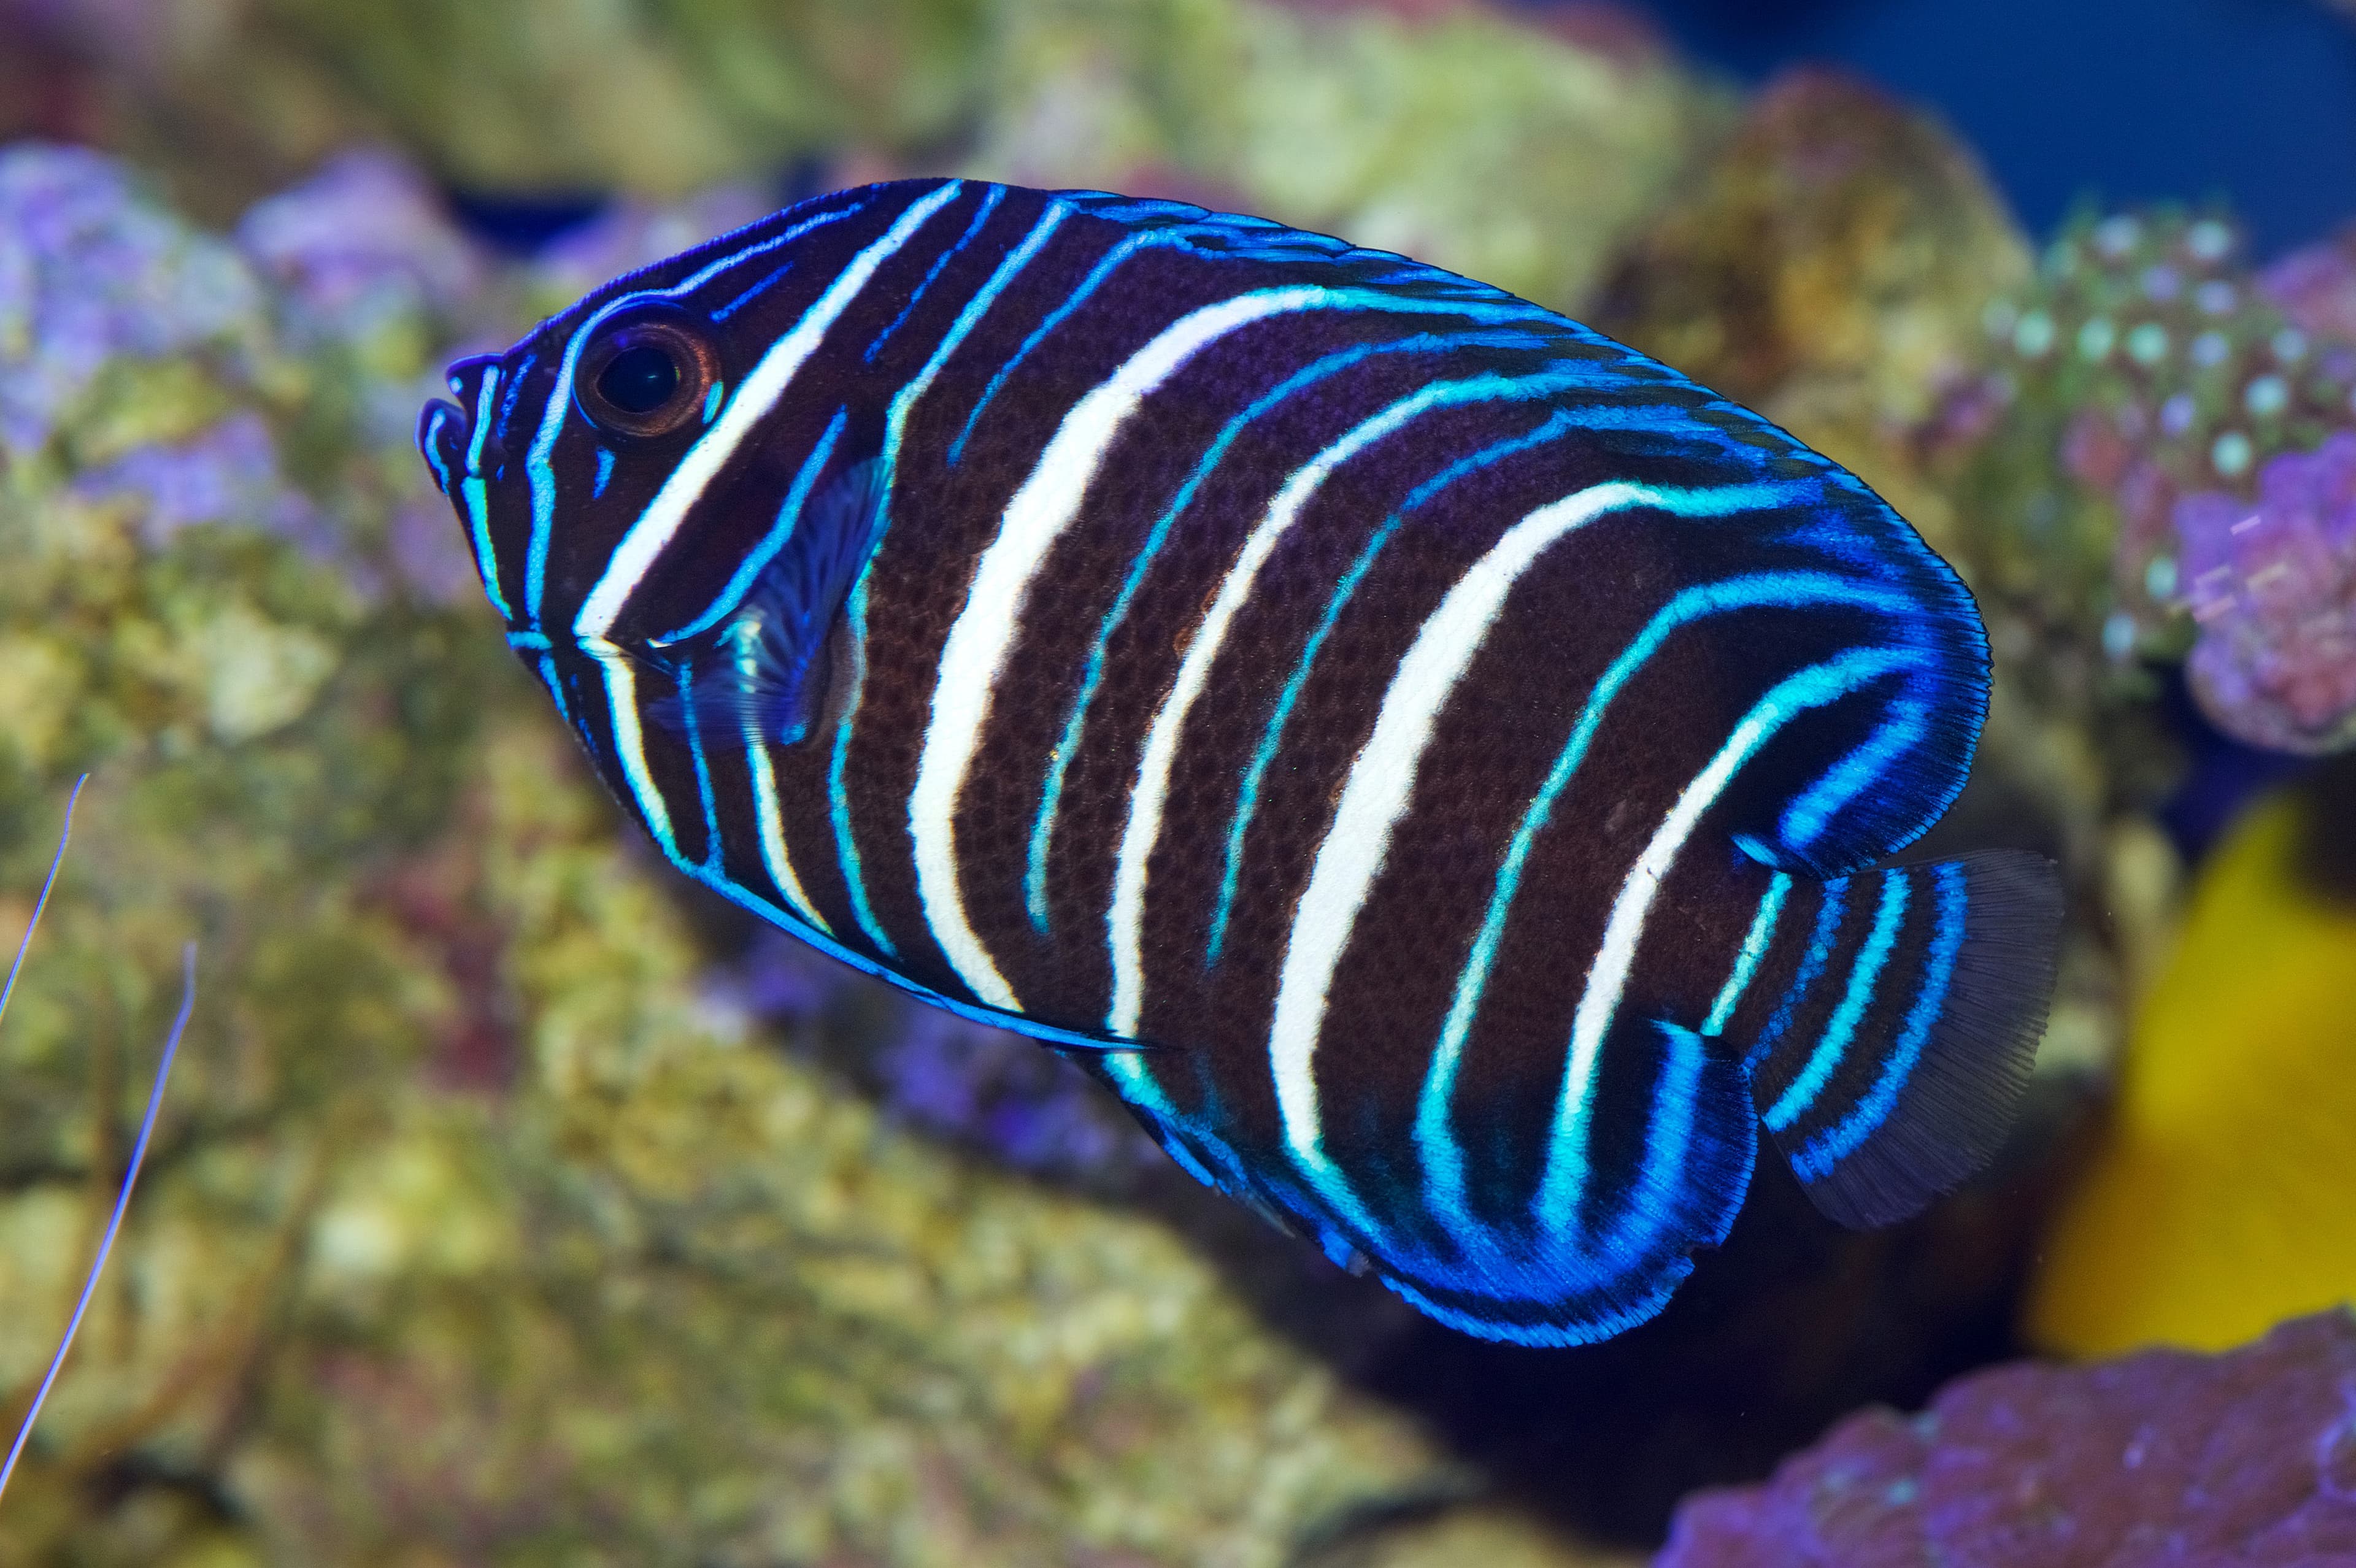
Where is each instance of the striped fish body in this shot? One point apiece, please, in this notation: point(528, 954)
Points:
point(1434, 764)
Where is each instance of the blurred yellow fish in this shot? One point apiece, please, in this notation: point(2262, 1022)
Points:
point(2220, 1203)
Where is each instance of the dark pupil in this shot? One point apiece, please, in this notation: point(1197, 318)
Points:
point(639, 380)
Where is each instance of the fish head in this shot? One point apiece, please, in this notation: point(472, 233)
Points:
point(610, 465)
point(552, 452)
point(670, 488)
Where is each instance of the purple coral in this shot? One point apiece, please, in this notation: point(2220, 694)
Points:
point(2315, 286)
point(986, 1088)
point(1029, 1107)
point(90, 269)
point(228, 473)
point(2244, 1460)
point(2273, 587)
point(362, 245)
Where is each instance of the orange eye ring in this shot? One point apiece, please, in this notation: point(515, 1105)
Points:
point(647, 373)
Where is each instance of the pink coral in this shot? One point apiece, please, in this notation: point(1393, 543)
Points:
point(363, 243)
point(2315, 286)
point(2232, 1461)
point(2273, 586)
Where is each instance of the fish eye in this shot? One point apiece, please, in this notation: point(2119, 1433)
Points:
point(639, 380)
point(646, 373)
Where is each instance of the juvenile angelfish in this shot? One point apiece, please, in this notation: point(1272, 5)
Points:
point(1437, 765)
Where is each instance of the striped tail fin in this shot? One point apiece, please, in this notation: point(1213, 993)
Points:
point(1903, 1032)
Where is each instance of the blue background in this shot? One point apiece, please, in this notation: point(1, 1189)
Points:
point(2133, 100)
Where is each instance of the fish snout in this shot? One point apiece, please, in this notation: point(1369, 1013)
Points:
point(449, 433)
point(465, 378)
point(441, 436)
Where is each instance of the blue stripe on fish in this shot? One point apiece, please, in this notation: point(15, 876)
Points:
point(1436, 766)
point(1043, 826)
point(1755, 948)
point(1826, 1056)
point(988, 205)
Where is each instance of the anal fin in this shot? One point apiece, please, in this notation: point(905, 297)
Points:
point(1588, 1234)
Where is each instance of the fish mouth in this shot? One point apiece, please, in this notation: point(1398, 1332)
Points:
point(442, 437)
point(446, 436)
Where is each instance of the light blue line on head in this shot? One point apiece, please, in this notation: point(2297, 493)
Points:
point(1755, 948)
point(1565, 1181)
point(769, 281)
point(431, 446)
point(712, 861)
point(1087, 285)
point(548, 679)
point(1271, 733)
point(478, 501)
point(539, 467)
point(1828, 1149)
point(748, 572)
point(604, 473)
point(1051, 794)
point(837, 793)
point(1777, 590)
point(1826, 1060)
point(993, 196)
point(515, 390)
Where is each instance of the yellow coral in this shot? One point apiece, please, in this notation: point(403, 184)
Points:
point(2218, 1205)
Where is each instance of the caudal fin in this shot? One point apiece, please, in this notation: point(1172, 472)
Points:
point(1894, 1060)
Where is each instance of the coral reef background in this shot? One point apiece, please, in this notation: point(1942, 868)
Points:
point(512, 1204)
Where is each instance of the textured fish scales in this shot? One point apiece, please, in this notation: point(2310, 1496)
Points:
point(1427, 759)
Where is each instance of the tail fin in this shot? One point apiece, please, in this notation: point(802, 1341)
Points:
point(1892, 1069)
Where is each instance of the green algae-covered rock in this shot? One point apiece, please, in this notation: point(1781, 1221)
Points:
point(1830, 268)
point(1460, 133)
point(475, 1230)
point(1453, 133)
point(568, 96)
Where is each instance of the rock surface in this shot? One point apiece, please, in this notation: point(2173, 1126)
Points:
point(2244, 1460)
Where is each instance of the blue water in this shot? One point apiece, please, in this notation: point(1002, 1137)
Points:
point(2133, 100)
